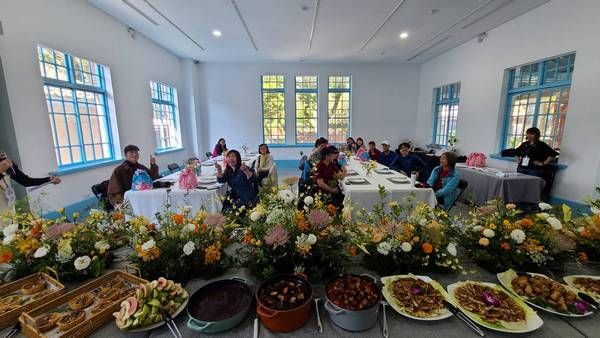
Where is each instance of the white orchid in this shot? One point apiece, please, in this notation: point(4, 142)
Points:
point(82, 262)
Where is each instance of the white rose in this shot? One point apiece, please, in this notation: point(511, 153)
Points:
point(148, 245)
point(543, 215)
point(8, 239)
point(451, 248)
point(82, 262)
point(518, 235)
point(255, 216)
point(595, 211)
point(308, 200)
point(188, 248)
point(101, 246)
point(477, 228)
point(10, 229)
point(286, 195)
point(312, 239)
point(406, 247)
point(489, 233)
point(40, 252)
point(544, 206)
point(384, 248)
point(554, 222)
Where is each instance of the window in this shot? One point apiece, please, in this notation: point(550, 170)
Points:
point(538, 96)
point(75, 91)
point(307, 103)
point(273, 101)
point(165, 122)
point(446, 113)
point(339, 108)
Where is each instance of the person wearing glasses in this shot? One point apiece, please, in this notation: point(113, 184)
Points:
point(120, 180)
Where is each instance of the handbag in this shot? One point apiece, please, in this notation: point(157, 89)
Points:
point(141, 181)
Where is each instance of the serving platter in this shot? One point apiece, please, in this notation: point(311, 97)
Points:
point(391, 299)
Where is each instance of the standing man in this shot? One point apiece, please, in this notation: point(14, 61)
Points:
point(120, 181)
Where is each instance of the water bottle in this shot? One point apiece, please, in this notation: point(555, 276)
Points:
point(413, 177)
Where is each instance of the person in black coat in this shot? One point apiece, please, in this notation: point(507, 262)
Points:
point(534, 156)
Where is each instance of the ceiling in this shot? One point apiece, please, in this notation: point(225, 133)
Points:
point(342, 30)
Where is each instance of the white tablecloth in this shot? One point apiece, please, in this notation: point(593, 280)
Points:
point(367, 195)
point(148, 202)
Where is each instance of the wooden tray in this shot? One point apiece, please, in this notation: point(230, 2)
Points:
point(11, 317)
point(91, 322)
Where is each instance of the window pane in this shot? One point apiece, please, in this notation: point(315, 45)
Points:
point(446, 112)
point(338, 112)
point(306, 117)
point(164, 118)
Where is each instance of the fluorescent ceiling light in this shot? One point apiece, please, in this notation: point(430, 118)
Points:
point(216, 33)
point(403, 35)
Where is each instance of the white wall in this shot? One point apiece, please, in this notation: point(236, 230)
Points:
point(81, 29)
point(557, 27)
point(229, 101)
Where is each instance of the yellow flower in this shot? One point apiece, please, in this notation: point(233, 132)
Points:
point(484, 241)
point(201, 216)
point(506, 223)
point(212, 254)
point(28, 245)
point(258, 243)
point(75, 215)
point(492, 226)
point(60, 210)
point(147, 255)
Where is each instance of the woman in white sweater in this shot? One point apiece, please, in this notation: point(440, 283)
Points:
point(265, 167)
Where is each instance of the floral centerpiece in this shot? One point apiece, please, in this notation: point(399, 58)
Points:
point(369, 166)
point(181, 245)
point(586, 232)
point(400, 238)
point(281, 239)
point(499, 236)
point(77, 250)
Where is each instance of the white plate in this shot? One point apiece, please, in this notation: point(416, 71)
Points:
point(506, 278)
point(399, 179)
point(532, 320)
point(356, 180)
point(382, 170)
point(208, 163)
point(570, 281)
point(387, 281)
point(207, 179)
point(162, 322)
point(351, 172)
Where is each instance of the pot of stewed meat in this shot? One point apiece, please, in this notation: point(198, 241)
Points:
point(284, 302)
point(352, 301)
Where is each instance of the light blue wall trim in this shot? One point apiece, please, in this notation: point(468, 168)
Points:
point(170, 150)
point(82, 207)
point(578, 207)
point(306, 145)
point(72, 170)
point(560, 166)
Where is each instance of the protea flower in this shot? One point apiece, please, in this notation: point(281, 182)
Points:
point(277, 236)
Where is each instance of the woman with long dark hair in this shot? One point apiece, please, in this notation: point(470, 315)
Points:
point(220, 147)
point(241, 181)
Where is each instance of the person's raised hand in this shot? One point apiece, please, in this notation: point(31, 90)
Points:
point(55, 180)
point(5, 165)
point(152, 159)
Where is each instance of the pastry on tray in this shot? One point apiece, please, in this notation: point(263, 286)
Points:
point(11, 300)
point(9, 307)
point(33, 287)
point(115, 283)
point(81, 302)
point(109, 295)
point(47, 322)
point(42, 293)
point(102, 305)
point(69, 320)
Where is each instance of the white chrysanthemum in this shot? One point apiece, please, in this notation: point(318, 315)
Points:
point(406, 247)
point(518, 235)
point(309, 200)
point(189, 227)
point(148, 245)
point(384, 248)
point(595, 211)
point(544, 206)
point(10, 229)
point(543, 215)
point(278, 216)
point(451, 248)
point(477, 228)
point(312, 239)
point(188, 248)
point(489, 233)
point(8, 239)
point(40, 252)
point(82, 262)
point(286, 195)
point(554, 222)
point(255, 216)
point(101, 246)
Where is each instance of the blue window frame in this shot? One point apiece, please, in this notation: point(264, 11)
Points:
point(538, 96)
point(165, 121)
point(273, 103)
point(446, 103)
point(75, 92)
point(307, 109)
point(339, 109)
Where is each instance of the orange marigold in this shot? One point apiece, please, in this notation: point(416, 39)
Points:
point(427, 248)
point(247, 237)
point(583, 257)
point(331, 209)
point(35, 230)
point(6, 257)
point(377, 237)
point(212, 254)
point(505, 246)
point(177, 219)
point(151, 227)
point(526, 222)
point(118, 216)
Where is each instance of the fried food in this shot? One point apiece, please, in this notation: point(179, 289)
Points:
point(353, 293)
point(68, 321)
point(417, 297)
point(81, 302)
point(543, 291)
point(490, 304)
point(47, 321)
point(33, 287)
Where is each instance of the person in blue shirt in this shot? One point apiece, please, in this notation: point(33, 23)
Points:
point(241, 179)
point(406, 162)
point(386, 157)
point(444, 180)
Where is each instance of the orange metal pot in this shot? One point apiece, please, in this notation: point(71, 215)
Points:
point(285, 320)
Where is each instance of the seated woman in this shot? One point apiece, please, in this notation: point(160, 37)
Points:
point(351, 145)
point(220, 147)
point(534, 156)
point(240, 179)
point(9, 170)
point(444, 180)
point(266, 170)
point(327, 176)
point(406, 162)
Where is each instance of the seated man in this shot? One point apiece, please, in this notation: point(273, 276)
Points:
point(386, 157)
point(406, 162)
point(120, 181)
point(373, 151)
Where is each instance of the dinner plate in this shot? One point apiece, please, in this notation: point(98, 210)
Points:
point(389, 296)
point(383, 171)
point(208, 163)
point(207, 179)
point(506, 278)
point(400, 179)
point(356, 180)
point(162, 322)
point(532, 320)
point(570, 280)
